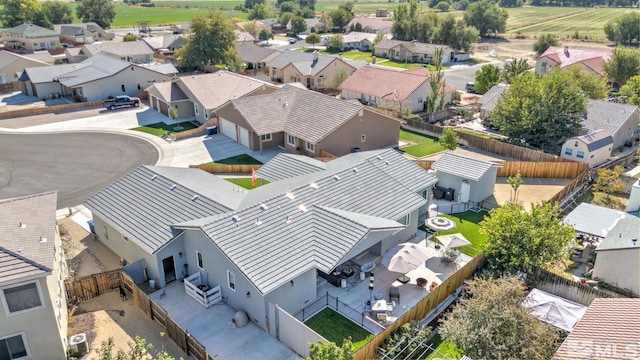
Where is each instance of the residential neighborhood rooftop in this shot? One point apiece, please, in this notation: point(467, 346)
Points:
point(593, 219)
point(127, 48)
point(383, 83)
point(27, 236)
point(30, 30)
point(254, 54)
point(285, 166)
point(622, 234)
point(463, 166)
point(608, 116)
point(567, 56)
point(595, 140)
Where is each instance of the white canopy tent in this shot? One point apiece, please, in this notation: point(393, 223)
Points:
point(554, 310)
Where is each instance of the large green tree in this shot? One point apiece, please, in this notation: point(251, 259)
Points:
point(340, 17)
point(455, 33)
point(298, 25)
point(491, 323)
point(102, 12)
point(544, 42)
point(312, 39)
point(138, 350)
point(249, 4)
point(521, 240)
point(543, 109)
point(624, 29)
point(57, 12)
point(449, 139)
point(593, 86)
point(487, 17)
point(259, 11)
point(486, 78)
point(323, 350)
point(17, 12)
point(622, 65)
point(514, 68)
point(212, 41)
point(632, 91)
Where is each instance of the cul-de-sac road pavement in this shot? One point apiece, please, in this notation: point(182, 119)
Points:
point(76, 164)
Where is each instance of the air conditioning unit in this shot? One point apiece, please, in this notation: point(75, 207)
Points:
point(78, 343)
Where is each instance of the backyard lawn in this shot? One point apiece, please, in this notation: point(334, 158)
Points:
point(245, 182)
point(467, 225)
point(243, 159)
point(443, 349)
point(335, 328)
point(160, 129)
point(418, 145)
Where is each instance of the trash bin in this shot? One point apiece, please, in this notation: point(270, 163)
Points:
point(92, 228)
point(212, 130)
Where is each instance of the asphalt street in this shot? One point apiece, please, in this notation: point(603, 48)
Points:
point(75, 164)
point(459, 75)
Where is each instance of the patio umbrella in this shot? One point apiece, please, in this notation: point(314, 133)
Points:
point(453, 240)
point(405, 257)
point(440, 223)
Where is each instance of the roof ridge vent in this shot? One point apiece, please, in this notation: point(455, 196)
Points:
point(173, 187)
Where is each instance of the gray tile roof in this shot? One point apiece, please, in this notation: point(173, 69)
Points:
point(595, 140)
point(462, 166)
point(422, 48)
point(166, 69)
point(7, 58)
point(122, 49)
point(593, 219)
point(30, 31)
point(489, 99)
point(303, 61)
point(288, 165)
point(606, 115)
point(164, 42)
point(626, 229)
point(388, 43)
point(143, 208)
point(254, 54)
point(22, 253)
point(306, 114)
point(294, 225)
point(40, 75)
point(100, 66)
point(169, 90)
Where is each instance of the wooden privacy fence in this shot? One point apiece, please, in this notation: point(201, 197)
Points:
point(182, 338)
point(565, 170)
point(88, 287)
point(579, 181)
point(421, 309)
point(220, 169)
point(200, 130)
point(327, 155)
point(568, 289)
point(48, 109)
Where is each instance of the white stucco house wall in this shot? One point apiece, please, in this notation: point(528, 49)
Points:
point(593, 148)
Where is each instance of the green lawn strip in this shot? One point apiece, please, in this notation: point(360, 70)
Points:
point(467, 225)
point(478, 134)
point(245, 182)
point(357, 55)
point(419, 145)
point(160, 129)
point(242, 159)
point(443, 349)
point(335, 328)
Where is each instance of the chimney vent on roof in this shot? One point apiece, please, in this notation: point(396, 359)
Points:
point(566, 50)
point(355, 169)
point(336, 177)
point(379, 157)
point(263, 206)
point(634, 241)
point(173, 187)
point(21, 225)
point(302, 208)
point(43, 239)
point(289, 220)
point(313, 186)
point(386, 162)
point(235, 218)
point(290, 196)
point(194, 197)
point(258, 222)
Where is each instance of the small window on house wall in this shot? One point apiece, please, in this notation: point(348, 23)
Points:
point(310, 146)
point(363, 138)
point(231, 280)
point(139, 87)
point(122, 86)
point(200, 260)
point(14, 347)
point(568, 151)
point(291, 140)
point(580, 154)
point(265, 137)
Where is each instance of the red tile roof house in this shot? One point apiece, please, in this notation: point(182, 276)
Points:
point(388, 87)
point(589, 60)
point(306, 122)
point(610, 329)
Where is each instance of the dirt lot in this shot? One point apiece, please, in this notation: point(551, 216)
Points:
point(106, 315)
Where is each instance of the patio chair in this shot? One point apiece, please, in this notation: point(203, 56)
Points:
point(382, 316)
point(391, 307)
point(394, 293)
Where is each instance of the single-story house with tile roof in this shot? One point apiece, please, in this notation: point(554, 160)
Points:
point(160, 44)
point(372, 25)
point(593, 148)
point(266, 245)
point(621, 121)
point(137, 52)
point(85, 33)
point(12, 65)
point(618, 255)
point(411, 51)
point(256, 57)
point(244, 37)
point(593, 220)
point(487, 102)
point(471, 179)
point(33, 314)
point(306, 122)
point(589, 60)
point(389, 87)
point(96, 78)
point(313, 70)
point(199, 96)
point(357, 40)
point(29, 37)
point(609, 329)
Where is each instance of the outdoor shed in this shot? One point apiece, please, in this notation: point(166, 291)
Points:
point(471, 179)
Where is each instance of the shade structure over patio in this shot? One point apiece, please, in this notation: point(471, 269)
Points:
point(453, 240)
point(439, 223)
point(405, 257)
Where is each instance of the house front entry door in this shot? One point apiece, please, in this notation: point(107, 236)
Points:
point(169, 268)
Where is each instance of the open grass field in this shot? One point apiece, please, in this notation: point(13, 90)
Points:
point(523, 16)
point(588, 23)
point(335, 328)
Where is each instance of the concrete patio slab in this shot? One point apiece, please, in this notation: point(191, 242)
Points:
point(221, 147)
point(211, 328)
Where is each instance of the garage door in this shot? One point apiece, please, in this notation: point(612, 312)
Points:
point(244, 137)
point(163, 107)
point(228, 129)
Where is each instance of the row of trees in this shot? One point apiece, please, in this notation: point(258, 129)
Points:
point(47, 13)
point(585, 3)
point(624, 29)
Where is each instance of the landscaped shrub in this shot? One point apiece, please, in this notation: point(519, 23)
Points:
point(409, 339)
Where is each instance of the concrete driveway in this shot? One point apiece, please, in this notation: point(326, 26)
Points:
point(75, 164)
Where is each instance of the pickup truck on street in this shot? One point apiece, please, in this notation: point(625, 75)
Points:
point(121, 101)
